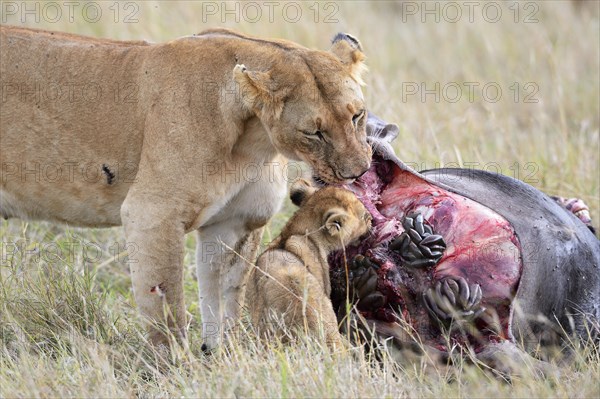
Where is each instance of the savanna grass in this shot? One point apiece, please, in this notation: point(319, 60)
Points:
point(68, 324)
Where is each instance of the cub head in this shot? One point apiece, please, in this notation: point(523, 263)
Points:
point(312, 106)
point(343, 219)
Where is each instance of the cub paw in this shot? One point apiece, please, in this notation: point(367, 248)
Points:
point(363, 283)
point(418, 246)
point(452, 299)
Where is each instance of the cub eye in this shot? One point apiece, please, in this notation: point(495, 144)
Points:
point(356, 118)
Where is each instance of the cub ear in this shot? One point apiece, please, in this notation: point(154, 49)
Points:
point(301, 191)
point(335, 219)
point(348, 49)
point(258, 91)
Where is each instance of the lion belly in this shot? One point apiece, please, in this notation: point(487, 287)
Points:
point(71, 131)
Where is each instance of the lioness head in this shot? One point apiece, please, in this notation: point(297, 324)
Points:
point(312, 105)
point(342, 218)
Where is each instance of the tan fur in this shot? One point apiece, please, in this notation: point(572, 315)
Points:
point(289, 289)
point(165, 147)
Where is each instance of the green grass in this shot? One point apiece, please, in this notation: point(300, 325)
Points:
point(69, 328)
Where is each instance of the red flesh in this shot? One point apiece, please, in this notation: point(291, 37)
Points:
point(481, 247)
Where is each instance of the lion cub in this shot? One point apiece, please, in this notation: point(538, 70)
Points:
point(289, 289)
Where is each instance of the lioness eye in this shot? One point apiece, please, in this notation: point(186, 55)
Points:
point(318, 134)
point(356, 118)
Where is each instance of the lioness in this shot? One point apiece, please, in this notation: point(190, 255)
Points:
point(290, 284)
point(170, 138)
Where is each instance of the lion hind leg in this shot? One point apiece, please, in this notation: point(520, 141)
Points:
point(294, 302)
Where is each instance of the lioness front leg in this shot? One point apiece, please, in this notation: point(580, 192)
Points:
point(224, 255)
point(154, 236)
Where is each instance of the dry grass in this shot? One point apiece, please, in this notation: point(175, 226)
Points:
point(68, 327)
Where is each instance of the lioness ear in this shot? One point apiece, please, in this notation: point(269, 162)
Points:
point(301, 191)
point(258, 92)
point(348, 49)
point(335, 219)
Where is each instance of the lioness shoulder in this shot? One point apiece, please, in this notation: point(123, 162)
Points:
point(289, 289)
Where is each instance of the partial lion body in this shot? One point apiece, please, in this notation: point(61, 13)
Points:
point(285, 296)
point(43, 135)
point(173, 137)
point(84, 129)
point(289, 290)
